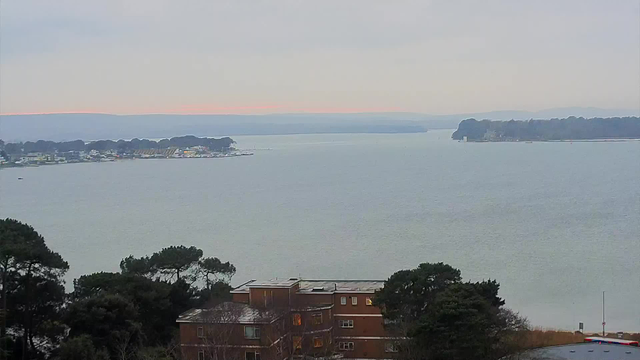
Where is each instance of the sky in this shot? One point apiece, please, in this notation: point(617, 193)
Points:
point(210, 56)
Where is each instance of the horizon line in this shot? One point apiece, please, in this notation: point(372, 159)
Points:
point(290, 111)
point(224, 110)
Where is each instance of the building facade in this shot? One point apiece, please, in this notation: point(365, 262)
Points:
point(286, 319)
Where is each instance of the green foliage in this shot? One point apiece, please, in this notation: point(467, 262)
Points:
point(408, 293)
point(151, 298)
point(443, 318)
point(571, 128)
point(212, 270)
point(23, 249)
point(78, 348)
point(31, 277)
point(41, 313)
point(43, 146)
point(175, 260)
point(104, 318)
point(460, 324)
point(157, 300)
point(126, 315)
point(136, 266)
point(216, 293)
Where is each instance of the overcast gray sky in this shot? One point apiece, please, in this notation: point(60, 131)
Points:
point(207, 56)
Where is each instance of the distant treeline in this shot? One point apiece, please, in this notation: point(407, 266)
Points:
point(571, 128)
point(120, 145)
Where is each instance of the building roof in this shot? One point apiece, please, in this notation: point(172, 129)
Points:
point(340, 286)
point(273, 283)
point(230, 313)
point(315, 286)
point(585, 351)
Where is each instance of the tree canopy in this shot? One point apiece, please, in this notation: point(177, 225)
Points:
point(31, 279)
point(44, 146)
point(440, 317)
point(109, 315)
point(212, 270)
point(175, 260)
point(571, 128)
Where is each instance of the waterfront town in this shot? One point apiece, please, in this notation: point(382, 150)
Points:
point(50, 153)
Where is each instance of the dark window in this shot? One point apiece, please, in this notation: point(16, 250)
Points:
point(346, 346)
point(346, 324)
point(317, 319)
point(200, 331)
point(201, 355)
point(251, 355)
point(251, 332)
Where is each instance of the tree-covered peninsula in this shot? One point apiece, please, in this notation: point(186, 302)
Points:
point(43, 152)
point(42, 146)
point(571, 128)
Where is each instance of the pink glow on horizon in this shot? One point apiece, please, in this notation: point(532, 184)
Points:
point(219, 110)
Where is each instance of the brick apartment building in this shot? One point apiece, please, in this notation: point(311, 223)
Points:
point(283, 319)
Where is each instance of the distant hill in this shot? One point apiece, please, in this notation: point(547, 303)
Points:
point(64, 127)
point(571, 128)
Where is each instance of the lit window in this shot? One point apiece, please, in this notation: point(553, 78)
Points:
point(201, 355)
point(297, 342)
point(354, 300)
point(368, 301)
point(346, 324)
point(317, 319)
point(251, 355)
point(297, 320)
point(318, 342)
point(343, 300)
point(200, 331)
point(391, 347)
point(251, 332)
point(346, 346)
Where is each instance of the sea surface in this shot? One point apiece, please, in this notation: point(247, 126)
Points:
point(555, 223)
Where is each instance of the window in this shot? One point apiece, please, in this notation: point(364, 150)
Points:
point(318, 342)
point(354, 300)
point(317, 319)
point(201, 355)
point(251, 355)
point(368, 301)
point(390, 347)
point(297, 320)
point(346, 346)
point(200, 332)
point(343, 300)
point(297, 342)
point(347, 324)
point(251, 332)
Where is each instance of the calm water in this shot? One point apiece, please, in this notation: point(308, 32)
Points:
point(554, 223)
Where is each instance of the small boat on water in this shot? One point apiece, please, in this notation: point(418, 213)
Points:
point(19, 178)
